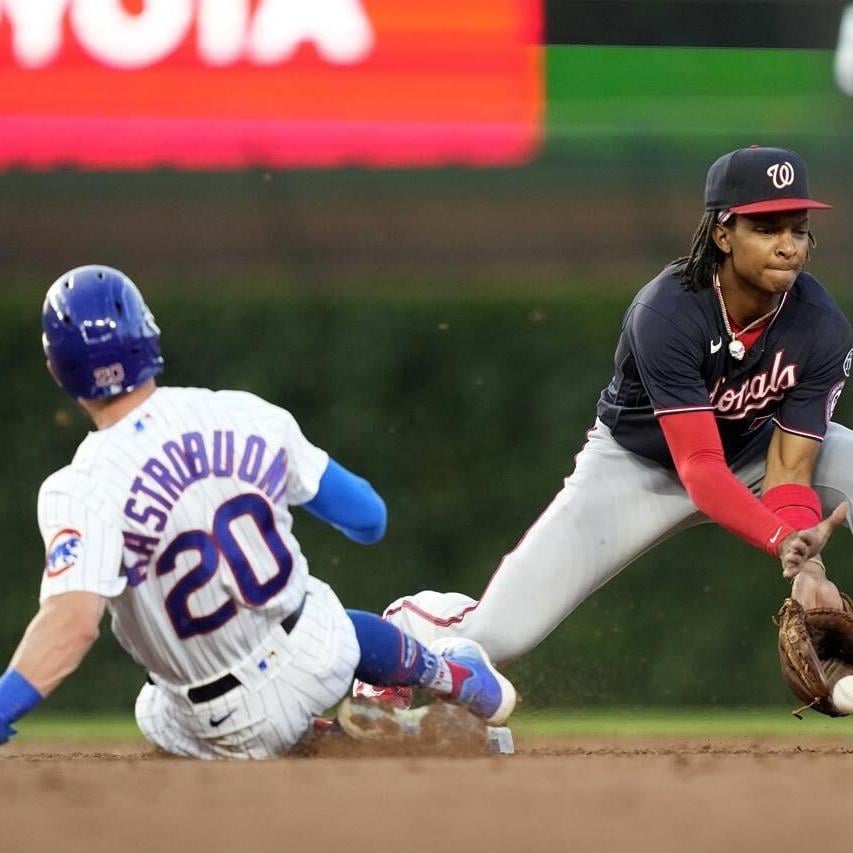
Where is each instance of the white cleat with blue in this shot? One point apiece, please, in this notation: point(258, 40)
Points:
point(484, 691)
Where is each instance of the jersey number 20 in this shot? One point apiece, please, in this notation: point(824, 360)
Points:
point(209, 546)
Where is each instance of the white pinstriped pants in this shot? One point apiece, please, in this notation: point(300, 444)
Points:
point(613, 508)
point(303, 673)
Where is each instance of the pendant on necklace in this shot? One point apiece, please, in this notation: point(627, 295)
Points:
point(736, 349)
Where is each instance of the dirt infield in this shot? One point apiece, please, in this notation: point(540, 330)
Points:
point(578, 795)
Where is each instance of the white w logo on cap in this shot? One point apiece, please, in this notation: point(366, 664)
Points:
point(782, 175)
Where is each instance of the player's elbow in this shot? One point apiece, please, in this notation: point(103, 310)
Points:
point(699, 475)
point(373, 524)
point(373, 535)
point(380, 520)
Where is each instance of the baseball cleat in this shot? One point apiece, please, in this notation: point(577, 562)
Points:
point(395, 697)
point(483, 690)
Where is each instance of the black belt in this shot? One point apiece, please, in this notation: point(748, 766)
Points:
point(215, 689)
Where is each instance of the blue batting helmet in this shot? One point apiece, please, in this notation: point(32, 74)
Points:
point(99, 336)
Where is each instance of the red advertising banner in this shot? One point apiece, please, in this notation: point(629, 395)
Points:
point(284, 83)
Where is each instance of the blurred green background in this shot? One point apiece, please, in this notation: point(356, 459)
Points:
point(446, 333)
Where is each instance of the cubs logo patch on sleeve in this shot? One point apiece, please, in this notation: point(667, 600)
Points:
point(63, 551)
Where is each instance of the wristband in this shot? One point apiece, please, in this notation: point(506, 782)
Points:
point(771, 545)
point(17, 696)
point(796, 504)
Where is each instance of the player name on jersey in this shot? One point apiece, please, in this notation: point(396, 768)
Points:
point(185, 461)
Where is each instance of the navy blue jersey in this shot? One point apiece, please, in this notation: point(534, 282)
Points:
point(673, 356)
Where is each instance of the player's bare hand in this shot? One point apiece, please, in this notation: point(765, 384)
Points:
point(802, 545)
point(811, 588)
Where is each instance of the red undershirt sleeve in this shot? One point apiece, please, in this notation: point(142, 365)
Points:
point(794, 503)
point(694, 442)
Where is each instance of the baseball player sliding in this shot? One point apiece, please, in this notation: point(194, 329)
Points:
point(727, 372)
point(174, 516)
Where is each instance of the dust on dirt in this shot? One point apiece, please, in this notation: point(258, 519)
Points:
point(578, 794)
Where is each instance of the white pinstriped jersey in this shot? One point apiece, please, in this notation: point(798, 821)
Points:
point(178, 514)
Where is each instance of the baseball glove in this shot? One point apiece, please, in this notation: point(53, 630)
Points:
point(816, 651)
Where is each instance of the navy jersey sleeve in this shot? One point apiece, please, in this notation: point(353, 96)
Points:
point(807, 408)
point(669, 361)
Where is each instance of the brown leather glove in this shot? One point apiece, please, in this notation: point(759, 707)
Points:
point(815, 650)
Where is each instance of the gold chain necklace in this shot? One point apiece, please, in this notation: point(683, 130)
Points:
point(736, 348)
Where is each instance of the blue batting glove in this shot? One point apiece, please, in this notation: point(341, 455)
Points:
point(6, 732)
point(17, 697)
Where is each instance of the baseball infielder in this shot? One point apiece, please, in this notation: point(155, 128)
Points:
point(173, 515)
point(727, 372)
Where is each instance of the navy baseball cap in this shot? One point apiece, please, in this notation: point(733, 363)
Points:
point(760, 180)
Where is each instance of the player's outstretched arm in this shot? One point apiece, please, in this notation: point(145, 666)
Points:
point(697, 451)
point(54, 644)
